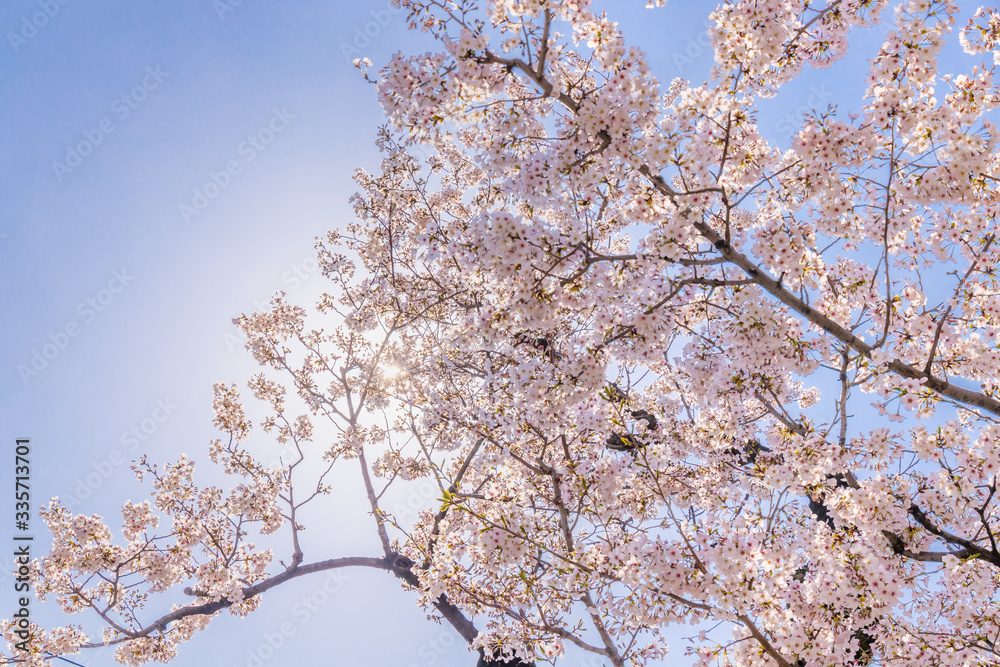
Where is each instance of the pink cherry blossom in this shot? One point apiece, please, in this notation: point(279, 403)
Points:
point(625, 333)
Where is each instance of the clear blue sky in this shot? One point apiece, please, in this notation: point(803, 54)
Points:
point(113, 116)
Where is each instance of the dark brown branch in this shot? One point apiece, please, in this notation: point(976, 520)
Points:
point(398, 565)
point(969, 548)
point(774, 287)
point(838, 331)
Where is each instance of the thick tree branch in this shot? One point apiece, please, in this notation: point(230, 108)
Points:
point(398, 565)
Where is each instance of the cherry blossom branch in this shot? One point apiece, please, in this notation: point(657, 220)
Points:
point(610, 650)
point(947, 312)
point(775, 288)
point(969, 549)
point(393, 563)
point(760, 276)
point(544, 50)
point(898, 546)
point(209, 608)
point(763, 641)
point(443, 512)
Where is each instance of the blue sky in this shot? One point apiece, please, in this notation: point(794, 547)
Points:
point(119, 281)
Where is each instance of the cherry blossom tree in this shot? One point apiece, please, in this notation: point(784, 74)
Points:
point(662, 370)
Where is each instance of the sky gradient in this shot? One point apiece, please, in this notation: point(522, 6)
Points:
point(165, 167)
